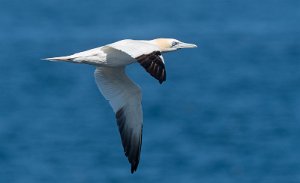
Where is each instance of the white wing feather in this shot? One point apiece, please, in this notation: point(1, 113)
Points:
point(125, 99)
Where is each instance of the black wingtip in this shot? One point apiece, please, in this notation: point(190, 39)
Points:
point(134, 167)
point(154, 65)
point(131, 143)
point(132, 170)
point(161, 81)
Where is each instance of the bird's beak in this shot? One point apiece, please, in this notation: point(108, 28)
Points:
point(186, 45)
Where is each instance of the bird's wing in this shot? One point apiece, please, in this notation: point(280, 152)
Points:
point(154, 64)
point(148, 55)
point(125, 98)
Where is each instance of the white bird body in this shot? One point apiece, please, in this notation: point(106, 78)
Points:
point(120, 53)
point(122, 93)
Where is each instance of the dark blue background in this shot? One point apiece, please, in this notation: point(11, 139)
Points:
point(229, 111)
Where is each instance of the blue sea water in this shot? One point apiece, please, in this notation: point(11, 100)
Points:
point(229, 111)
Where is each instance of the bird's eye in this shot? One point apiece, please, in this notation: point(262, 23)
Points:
point(174, 43)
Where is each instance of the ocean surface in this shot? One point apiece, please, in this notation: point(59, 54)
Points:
point(228, 113)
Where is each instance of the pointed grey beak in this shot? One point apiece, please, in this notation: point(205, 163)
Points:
point(186, 45)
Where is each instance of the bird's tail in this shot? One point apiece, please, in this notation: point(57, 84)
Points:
point(63, 58)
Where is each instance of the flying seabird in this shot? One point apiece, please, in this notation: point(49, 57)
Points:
point(122, 93)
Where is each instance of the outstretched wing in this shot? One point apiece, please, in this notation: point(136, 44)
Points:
point(148, 55)
point(153, 64)
point(125, 98)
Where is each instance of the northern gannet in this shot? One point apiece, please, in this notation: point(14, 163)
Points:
point(122, 93)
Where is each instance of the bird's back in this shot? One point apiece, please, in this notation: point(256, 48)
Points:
point(134, 48)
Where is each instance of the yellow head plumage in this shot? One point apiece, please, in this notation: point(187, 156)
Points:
point(169, 44)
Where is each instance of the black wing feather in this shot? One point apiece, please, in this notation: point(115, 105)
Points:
point(131, 143)
point(154, 65)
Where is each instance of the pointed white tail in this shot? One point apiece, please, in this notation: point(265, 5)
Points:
point(63, 58)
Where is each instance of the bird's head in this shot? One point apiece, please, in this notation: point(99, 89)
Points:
point(168, 44)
